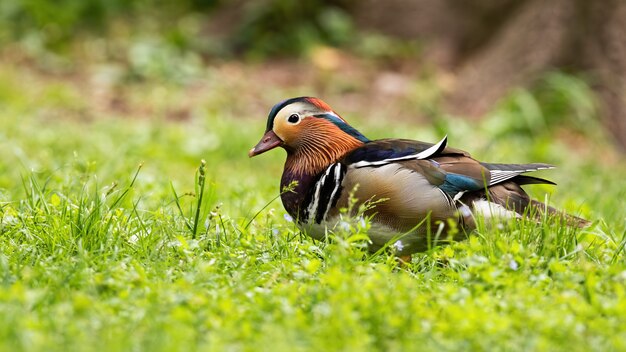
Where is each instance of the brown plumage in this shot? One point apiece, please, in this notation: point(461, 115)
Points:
point(414, 186)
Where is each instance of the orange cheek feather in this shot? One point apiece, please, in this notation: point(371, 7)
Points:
point(288, 133)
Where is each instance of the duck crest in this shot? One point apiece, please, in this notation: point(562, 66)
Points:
point(319, 103)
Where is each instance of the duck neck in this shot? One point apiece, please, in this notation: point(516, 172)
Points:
point(305, 164)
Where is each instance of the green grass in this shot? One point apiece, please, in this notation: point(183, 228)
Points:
point(98, 249)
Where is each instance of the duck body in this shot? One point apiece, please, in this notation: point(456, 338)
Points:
point(413, 187)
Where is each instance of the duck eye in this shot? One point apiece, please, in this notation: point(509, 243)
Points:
point(293, 118)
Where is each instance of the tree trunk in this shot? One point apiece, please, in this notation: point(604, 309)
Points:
point(494, 45)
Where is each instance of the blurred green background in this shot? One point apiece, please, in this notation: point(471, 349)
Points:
point(493, 75)
point(418, 59)
point(108, 106)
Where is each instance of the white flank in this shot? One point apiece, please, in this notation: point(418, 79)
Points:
point(490, 210)
point(465, 210)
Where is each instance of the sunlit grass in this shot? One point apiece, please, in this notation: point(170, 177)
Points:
point(105, 244)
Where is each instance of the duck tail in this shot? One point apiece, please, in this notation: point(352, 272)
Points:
point(510, 195)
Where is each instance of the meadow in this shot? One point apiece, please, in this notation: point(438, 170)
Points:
point(115, 236)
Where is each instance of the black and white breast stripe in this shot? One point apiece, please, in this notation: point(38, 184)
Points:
point(435, 149)
point(325, 194)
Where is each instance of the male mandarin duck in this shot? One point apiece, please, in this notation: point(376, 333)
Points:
point(409, 181)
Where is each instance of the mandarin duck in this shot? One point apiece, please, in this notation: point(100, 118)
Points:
point(413, 185)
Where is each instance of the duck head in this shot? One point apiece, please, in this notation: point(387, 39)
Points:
point(313, 135)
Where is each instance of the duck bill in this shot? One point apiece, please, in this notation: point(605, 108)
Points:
point(269, 141)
